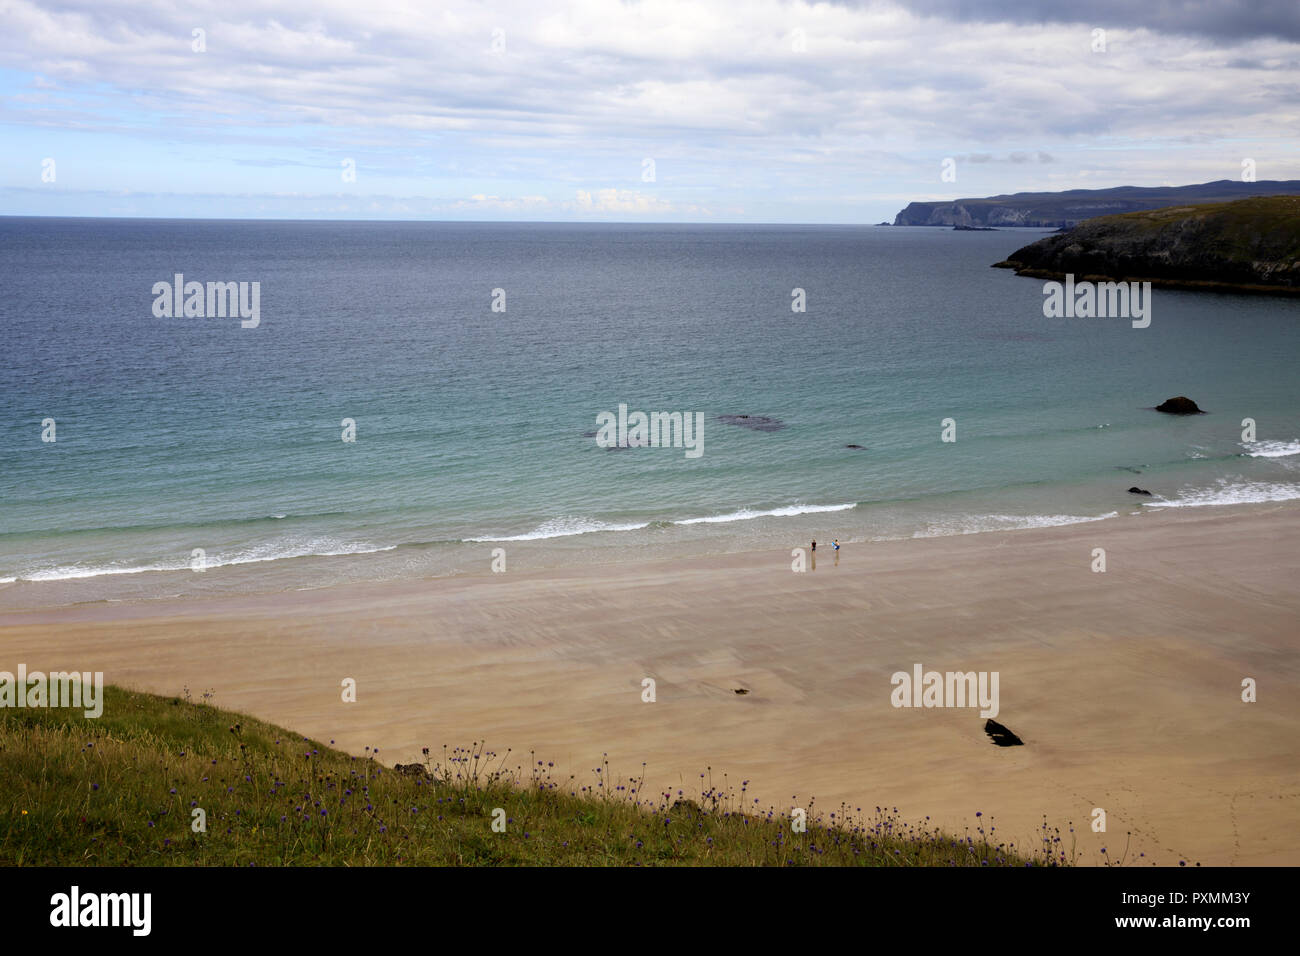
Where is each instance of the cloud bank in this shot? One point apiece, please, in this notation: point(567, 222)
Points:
point(774, 111)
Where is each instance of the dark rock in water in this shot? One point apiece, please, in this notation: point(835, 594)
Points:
point(1136, 471)
point(1135, 490)
point(741, 690)
point(960, 228)
point(590, 434)
point(863, 447)
point(1182, 405)
point(410, 770)
point(1001, 735)
point(759, 423)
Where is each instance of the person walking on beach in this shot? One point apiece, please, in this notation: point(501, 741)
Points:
point(836, 544)
point(814, 547)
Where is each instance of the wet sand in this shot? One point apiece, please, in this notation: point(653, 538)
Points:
point(1126, 686)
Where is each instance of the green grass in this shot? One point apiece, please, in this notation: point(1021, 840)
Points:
point(1248, 245)
point(1261, 227)
point(120, 791)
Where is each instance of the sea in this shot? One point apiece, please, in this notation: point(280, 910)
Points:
point(423, 399)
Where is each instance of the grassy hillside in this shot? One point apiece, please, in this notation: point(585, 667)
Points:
point(1249, 244)
point(121, 791)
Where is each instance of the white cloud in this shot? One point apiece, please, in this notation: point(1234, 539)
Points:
point(712, 90)
point(482, 202)
point(620, 201)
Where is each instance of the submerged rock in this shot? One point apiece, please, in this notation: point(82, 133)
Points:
point(1180, 405)
point(1135, 490)
point(862, 447)
point(759, 423)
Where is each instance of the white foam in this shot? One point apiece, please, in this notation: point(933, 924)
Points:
point(568, 526)
point(271, 552)
point(1271, 449)
point(564, 528)
point(746, 514)
point(1228, 492)
point(976, 524)
point(66, 572)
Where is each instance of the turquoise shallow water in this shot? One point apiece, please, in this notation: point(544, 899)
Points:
point(182, 433)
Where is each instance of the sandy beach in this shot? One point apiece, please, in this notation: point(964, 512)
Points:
point(1126, 686)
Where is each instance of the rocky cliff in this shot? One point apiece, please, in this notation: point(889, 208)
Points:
point(1067, 209)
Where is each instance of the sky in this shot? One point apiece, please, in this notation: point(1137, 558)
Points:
point(655, 111)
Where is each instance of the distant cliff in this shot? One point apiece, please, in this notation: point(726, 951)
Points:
point(1250, 245)
point(1066, 209)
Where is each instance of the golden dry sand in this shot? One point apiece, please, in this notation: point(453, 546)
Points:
point(1124, 685)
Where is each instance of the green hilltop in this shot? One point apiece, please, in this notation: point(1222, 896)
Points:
point(1249, 245)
